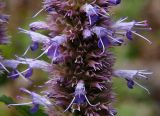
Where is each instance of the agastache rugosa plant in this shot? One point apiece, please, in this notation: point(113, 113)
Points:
point(81, 67)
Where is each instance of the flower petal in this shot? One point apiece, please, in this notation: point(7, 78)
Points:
point(34, 46)
point(35, 108)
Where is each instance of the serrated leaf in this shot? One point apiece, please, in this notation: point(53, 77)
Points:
point(24, 110)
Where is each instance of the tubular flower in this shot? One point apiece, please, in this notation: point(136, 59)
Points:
point(81, 69)
point(80, 96)
point(32, 64)
point(36, 101)
point(40, 25)
point(130, 75)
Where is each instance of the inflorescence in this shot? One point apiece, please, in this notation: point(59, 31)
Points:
point(81, 64)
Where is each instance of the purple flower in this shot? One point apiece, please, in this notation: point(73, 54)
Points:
point(36, 37)
point(130, 75)
point(104, 41)
point(94, 19)
point(80, 99)
point(129, 35)
point(115, 2)
point(127, 28)
point(35, 108)
point(105, 37)
point(117, 42)
point(28, 73)
point(35, 64)
point(11, 63)
point(87, 34)
point(52, 44)
point(113, 112)
point(130, 83)
point(34, 46)
point(36, 101)
point(91, 12)
point(80, 96)
point(40, 25)
point(13, 74)
point(38, 64)
point(52, 47)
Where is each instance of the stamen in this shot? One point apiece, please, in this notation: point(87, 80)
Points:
point(142, 86)
point(45, 51)
point(143, 28)
point(103, 15)
point(90, 22)
point(20, 72)
point(103, 47)
point(114, 39)
point(93, 2)
point(53, 58)
point(4, 67)
point(70, 104)
point(142, 25)
point(149, 73)
point(141, 75)
point(22, 76)
point(25, 90)
point(145, 21)
point(26, 51)
point(38, 13)
point(22, 104)
point(94, 11)
point(121, 20)
point(142, 37)
point(89, 102)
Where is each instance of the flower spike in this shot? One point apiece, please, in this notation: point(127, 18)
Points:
point(78, 38)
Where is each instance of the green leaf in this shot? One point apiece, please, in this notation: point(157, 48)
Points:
point(24, 110)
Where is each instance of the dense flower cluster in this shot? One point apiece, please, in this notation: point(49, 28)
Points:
point(81, 68)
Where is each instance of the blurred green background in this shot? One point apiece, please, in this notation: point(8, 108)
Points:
point(136, 55)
